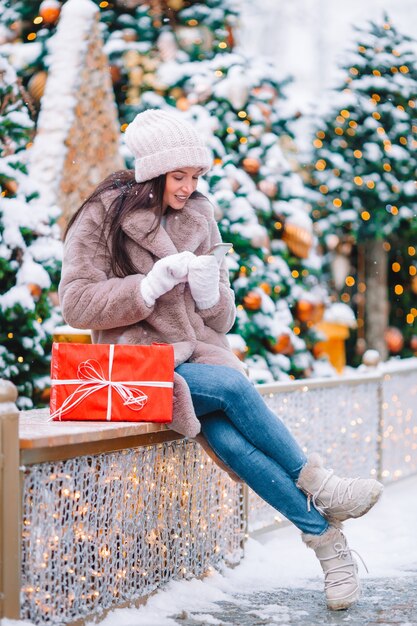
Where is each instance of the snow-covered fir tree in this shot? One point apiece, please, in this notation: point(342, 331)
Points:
point(182, 54)
point(238, 103)
point(29, 253)
point(31, 23)
point(365, 168)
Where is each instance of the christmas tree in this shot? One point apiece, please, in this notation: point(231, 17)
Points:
point(29, 253)
point(182, 54)
point(238, 103)
point(365, 166)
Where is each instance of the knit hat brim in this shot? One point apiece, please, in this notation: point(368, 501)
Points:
point(155, 164)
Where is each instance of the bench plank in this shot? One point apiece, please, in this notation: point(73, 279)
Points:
point(36, 431)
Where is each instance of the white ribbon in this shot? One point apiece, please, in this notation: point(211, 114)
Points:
point(91, 379)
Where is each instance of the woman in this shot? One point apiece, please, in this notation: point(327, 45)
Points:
point(136, 270)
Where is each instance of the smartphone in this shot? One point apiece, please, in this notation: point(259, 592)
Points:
point(219, 250)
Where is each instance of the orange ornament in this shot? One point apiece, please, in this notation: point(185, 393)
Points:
point(183, 104)
point(36, 85)
point(45, 395)
point(251, 165)
point(49, 10)
point(35, 290)
point(282, 345)
point(298, 240)
point(266, 287)
point(304, 311)
point(394, 339)
point(175, 5)
point(115, 73)
point(252, 301)
point(11, 186)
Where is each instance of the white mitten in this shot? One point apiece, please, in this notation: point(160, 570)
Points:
point(204, 279)
point(165, 274)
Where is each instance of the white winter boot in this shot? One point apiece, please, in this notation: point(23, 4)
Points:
point(336, 498)
point(341, 583)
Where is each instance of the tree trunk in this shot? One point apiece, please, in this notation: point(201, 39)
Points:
point(376, 296)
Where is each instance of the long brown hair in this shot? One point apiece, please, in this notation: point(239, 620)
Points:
point(132, 197)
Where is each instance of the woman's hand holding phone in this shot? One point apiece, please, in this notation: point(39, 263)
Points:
point(204, 280)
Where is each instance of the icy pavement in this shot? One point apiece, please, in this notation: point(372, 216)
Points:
point(384, 601)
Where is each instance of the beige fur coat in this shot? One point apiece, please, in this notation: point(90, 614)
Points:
point(92, 297)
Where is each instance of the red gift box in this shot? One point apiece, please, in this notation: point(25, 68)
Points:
point(118, 383)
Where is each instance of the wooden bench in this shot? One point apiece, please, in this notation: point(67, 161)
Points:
point(44, 440)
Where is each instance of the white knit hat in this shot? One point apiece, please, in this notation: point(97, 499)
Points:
point(161, 143)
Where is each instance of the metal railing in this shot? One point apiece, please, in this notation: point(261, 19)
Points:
point(362, 424)
point(112, 511)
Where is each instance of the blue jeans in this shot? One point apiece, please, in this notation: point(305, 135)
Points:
point(250, 439)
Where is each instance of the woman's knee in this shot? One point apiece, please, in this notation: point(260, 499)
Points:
point(224, 438)
point(234, 383)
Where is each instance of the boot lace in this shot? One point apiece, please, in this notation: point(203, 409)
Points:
point(341, 552)
point(344, 488)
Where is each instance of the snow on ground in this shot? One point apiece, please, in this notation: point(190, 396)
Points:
point(386, 539)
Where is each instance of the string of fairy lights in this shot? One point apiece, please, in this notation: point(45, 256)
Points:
point(360, 427)
point(101, 530)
